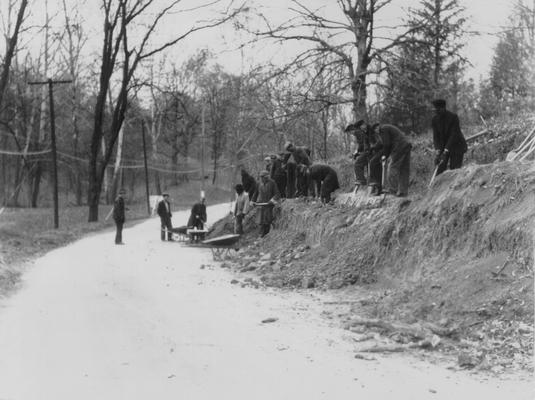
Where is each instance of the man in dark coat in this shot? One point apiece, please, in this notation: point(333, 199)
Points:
point(366, 155)
point(362, 153)
point(301, 156)
point(119, 216)
point(325, 179)
point(164, 212)
point(289, 164)
point(397, 149)
point(249, 183)
point(266, 195)
point(278, 174)
point(448, 139)
point(197, 218)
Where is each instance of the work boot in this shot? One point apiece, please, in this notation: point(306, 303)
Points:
point(375, 190)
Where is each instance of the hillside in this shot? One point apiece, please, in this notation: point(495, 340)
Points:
point(459, 255)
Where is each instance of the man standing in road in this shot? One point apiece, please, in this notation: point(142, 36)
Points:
point(197, 218)
point(266, 196)
point(119, 216)
point(164, 211)
point(448, 139)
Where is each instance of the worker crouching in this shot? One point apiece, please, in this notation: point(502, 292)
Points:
point(325, 180)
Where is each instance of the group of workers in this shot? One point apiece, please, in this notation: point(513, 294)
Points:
point(196, 220)
point(382, 149)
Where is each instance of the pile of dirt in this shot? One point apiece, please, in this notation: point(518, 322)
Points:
point(459, 255)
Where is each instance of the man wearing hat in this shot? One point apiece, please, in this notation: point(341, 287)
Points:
point(448, 138)
point(119, 216)
point(164, 211)
point(266, 196)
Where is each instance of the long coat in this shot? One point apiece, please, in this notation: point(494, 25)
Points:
point(164, 209)
point(392, 139)
point(447, 133)
point(264, 193)
point(197, 217)
point(118, 210)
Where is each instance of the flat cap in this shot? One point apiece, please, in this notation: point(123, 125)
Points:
point(264, 173)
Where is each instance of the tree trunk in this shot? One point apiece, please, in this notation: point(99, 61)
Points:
point(115, 183)
point(3, 173)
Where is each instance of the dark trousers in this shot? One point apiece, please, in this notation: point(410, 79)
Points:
point(238, 224)
point(376, 170)
point(264, 229)
point(166, 225)
point(455, 160)
point(302, 184)
point(291, 170)
point(119, 231)
point(361, 163)
point(398, 172)
point(280, 180)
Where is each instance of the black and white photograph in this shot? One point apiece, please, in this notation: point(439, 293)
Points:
point(267, 200)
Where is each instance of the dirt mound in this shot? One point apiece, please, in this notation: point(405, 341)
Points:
point(460, 253)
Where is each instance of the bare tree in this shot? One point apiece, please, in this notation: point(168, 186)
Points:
point(121, 16)
point(350, 40)
point(11, 45)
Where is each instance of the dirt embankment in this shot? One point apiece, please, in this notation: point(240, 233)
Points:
point(460, 255)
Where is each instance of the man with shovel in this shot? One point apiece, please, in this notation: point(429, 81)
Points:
point(448, 139)
point(397, 149)
point(367, 154)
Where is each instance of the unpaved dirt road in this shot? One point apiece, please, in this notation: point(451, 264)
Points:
point(144, 321)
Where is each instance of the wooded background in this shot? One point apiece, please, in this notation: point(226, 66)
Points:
point(347, 70)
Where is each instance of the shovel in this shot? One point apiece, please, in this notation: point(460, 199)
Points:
point(383, 180)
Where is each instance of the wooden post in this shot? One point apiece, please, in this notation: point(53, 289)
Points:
point(54, 152)
point(51, 84)
point(146, 167)
point(202, 149)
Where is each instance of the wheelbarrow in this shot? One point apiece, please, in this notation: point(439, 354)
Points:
point(220, 246)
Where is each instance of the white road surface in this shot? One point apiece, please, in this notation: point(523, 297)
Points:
point(143, 321)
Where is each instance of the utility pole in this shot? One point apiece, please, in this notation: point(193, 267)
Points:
point(146, 167)
point(202, 150)
point(51, 84)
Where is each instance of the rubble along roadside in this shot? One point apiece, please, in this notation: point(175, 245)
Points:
point(458, 258)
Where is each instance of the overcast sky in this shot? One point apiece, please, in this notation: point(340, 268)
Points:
point(485, 16)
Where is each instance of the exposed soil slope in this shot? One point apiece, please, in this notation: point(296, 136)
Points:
point(460, 254)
